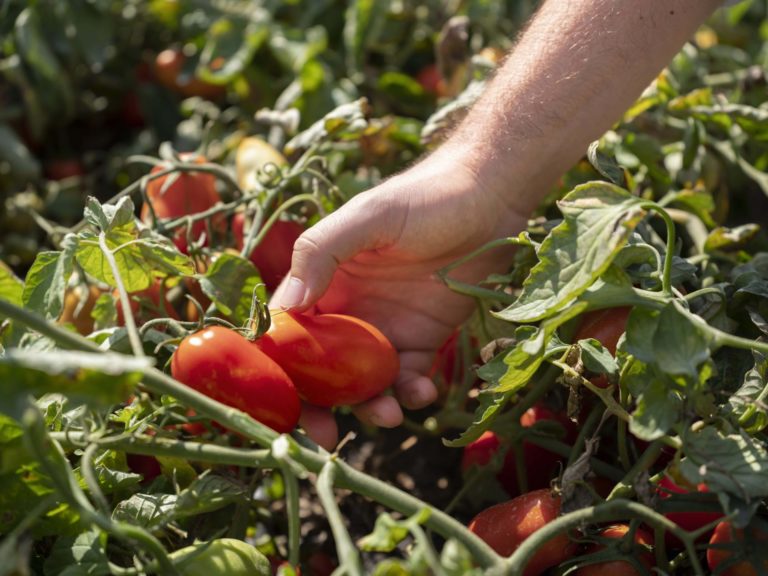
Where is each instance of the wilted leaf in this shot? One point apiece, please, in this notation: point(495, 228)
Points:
point(730, 238)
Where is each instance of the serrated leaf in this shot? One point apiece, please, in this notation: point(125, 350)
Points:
point(388, 532)
point(744, 399)
point(84, 554)
point(596, 358)
point(607, 166)
point(93, 378)
point(528, 354)
point(139, 260)
point(232, 282)
point(230, 46)
point(345, 120)
point(658, 404)
point(489, 407)
point(11, 287)
point(681, 341)
point(105, 217)
point(733, 463)
point(207, 493)
point(598, 219)
point(723, 238)
point(47, 281)
point(146, 510)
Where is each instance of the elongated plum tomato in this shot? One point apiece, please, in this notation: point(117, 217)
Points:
point(688, 521)
point(189, 193)
point(272, 257)
point(504, 527)
point(333, 359)
point(620, 567)
point(723, 544)
point(224, 365)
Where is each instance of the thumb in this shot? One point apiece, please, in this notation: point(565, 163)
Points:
point(357, 226)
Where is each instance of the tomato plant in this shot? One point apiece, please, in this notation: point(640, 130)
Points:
point(540, 464)
point(272, 257)
point(225, 366)
point(505, 526)
point(641, 541)
point(183, 194)
point(721, 556)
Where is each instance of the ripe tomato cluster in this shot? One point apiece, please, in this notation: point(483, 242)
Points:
point(325, 359)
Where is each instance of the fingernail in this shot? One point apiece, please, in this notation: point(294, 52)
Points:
point(294, 294)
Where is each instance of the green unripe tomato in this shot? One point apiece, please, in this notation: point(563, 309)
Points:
point(225, 556)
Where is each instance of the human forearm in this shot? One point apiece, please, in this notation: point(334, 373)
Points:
point(578, 66)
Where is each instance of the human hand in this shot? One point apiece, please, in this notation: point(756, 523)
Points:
point(375, 259)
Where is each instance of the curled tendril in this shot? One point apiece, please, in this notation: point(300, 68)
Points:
point(270, 175)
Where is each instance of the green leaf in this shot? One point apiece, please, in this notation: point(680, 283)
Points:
point(294, 48)
point(723, 238)
point(110, 216)
point(606, 165)
point(753, 121)
point(344, 121)
point(599, 218)
point(81, 555)
point(596, 358)
point(658, 403)
point(11, 287)
point(362, 23)
point(22, 164)
point(743, 401)
point(207, 493)
point(93, 34)
point(232, 282)
point(32, 46)
point(94, 378)
point(673, 339)
point(388, 532)
point(528, 354)
point(489, 407)
point(681, 341)
point(146, 510)
point(699, 202)
point(732, 463)
point(47, 281)
point(139, 258)
point(230, 46)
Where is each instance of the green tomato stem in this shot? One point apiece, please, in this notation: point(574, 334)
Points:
point(666, 278)
point(345, 548)
point(292, 496)
point(125, 302)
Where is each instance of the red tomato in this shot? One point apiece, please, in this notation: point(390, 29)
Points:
point(719, 552)
point(431, 80)
point(169, 70)
point(272, 257)
point(147, 466)
point(63, 168)
point(190, 193)
point(667, 488)
point(333, 359)
point(606, 326)
point(504, 527)
point(225, 366)
point(541, 465)
point(620, 567)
